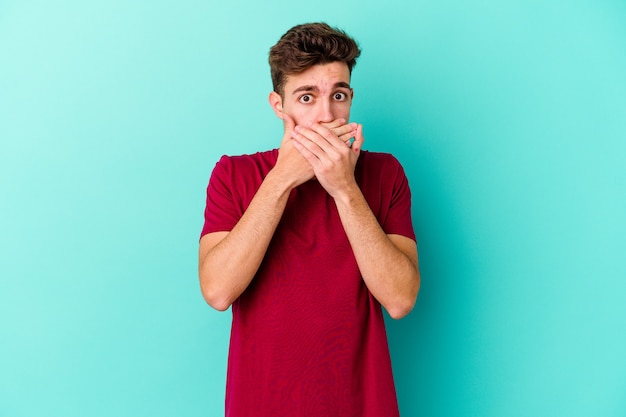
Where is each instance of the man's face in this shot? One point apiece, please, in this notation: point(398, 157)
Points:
point(322, 94)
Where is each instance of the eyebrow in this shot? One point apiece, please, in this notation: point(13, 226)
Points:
point(340, 84)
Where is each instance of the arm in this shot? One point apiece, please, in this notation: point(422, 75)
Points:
point(388, 263)
point(228, 261)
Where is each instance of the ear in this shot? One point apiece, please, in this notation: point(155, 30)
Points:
point(276, 101)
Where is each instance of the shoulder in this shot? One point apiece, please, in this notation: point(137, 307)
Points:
point(379, 162)
point(257, 158)
point(260, 162)
point(380, 171)
point(239, 174)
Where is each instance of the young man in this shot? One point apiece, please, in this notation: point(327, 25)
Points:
point(306, 243)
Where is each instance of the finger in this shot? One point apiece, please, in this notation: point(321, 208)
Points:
point(347, 138)
point(330, 142)
point(306, 153)
point(308, 139)
point(357, 145)
point(335, 123)
point(346, 129)
point(346, 133)
point(319, 140)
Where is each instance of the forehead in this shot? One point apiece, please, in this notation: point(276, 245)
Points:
point(322, 76)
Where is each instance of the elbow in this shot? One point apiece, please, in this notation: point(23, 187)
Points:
point(218, 289)
point(218, 304)
point(400, 309)
point(215, 298)
point(404, 304)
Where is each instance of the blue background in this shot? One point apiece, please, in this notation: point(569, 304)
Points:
point(509, 117)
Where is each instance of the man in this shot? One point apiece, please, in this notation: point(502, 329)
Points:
point(306, 243)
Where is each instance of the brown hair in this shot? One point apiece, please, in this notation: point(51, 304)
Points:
point(304, 46)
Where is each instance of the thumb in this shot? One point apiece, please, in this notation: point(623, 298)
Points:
point(357, 145)
point(288, 123)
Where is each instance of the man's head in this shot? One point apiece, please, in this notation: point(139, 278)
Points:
point(306, 45)
point(315, 62)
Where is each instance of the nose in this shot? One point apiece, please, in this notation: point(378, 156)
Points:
point(326, 112)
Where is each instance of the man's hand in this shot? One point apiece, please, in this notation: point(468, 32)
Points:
point(291, 165)
point(327, 148)
point(344, 131)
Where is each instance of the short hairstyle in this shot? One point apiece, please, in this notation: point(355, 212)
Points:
point(304, 46)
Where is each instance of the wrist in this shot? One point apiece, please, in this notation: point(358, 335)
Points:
point(279, 182)
point(348, 196)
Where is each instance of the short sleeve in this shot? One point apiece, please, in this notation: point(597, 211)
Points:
point(221, 212)
point(398, 219)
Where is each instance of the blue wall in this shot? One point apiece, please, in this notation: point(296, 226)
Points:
point(509, 116)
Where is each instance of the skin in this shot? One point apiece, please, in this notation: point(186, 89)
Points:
point(315, 108)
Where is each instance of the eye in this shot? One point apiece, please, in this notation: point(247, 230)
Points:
point(306, 98)
point(340, 96)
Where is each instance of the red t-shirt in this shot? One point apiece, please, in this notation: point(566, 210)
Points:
point(307, 337)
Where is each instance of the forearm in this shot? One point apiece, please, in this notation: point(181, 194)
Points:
point(227, 268)
point(389, 273)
